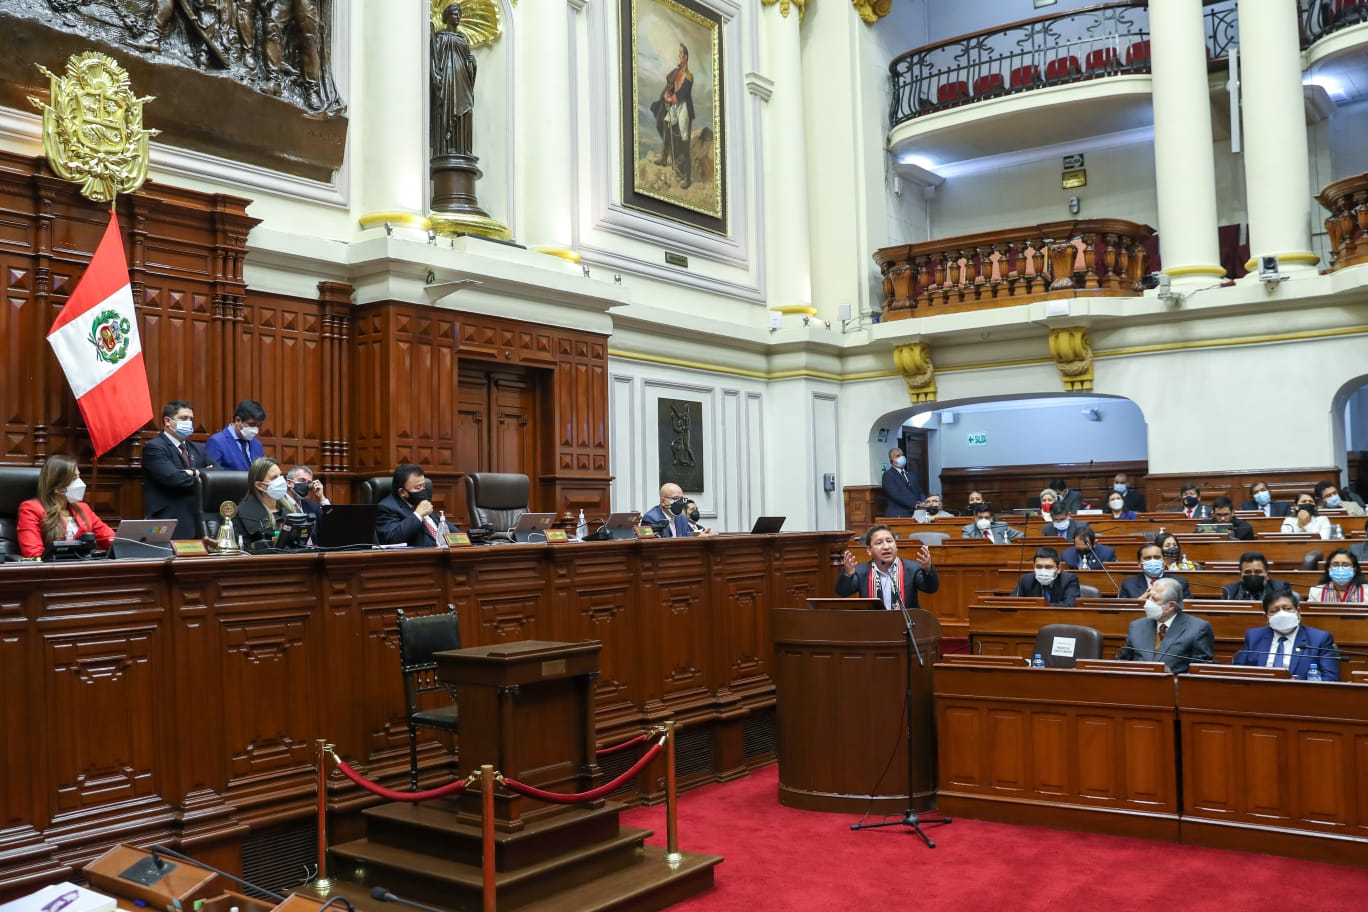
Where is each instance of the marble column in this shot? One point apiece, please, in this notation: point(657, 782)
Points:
point(788, 253)
point(393, 91)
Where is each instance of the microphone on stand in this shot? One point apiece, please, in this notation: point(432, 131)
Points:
point(380, 894)
point(1103, 566)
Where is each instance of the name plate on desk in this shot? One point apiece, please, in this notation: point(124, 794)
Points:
point(556, 535)
point(645, 532)
point(189, 548)
point(457, 540)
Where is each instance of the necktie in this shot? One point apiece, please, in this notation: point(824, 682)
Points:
point(1159, 635)
point(988, 534)
point(185, 454)
point(246, 451)
point(1280, 657)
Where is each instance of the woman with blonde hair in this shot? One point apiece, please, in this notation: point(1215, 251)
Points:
point(58, 513)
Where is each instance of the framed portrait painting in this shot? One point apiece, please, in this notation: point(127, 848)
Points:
point(673, 129)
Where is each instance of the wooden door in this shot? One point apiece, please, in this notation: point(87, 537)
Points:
point(497, 418)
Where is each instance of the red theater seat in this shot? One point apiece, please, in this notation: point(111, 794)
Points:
point(952, 92)
point(988, 85)
point(1101, 59)
point(1025, 76)
point(1061, 69)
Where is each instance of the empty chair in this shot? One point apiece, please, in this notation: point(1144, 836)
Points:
point(1087, 644)
point(1086, 591)
point(930, 539)
point(952, 92)
point(1100, 59)
point(989, 85)
point(1138, 55)
point(214, 486)
point(1311, 560)
point(497, 499)
point(1024, 77)
point(1061, 69)
point(419, 639)
point(17, 484)
point(374, 490)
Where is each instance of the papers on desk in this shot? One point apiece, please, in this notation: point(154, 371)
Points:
point(62, 897)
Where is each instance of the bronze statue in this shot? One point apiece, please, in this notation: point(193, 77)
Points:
point(452, 85)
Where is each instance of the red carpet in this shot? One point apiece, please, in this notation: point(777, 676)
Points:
point(778, 858)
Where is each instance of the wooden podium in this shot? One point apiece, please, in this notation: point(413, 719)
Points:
point(840, 676)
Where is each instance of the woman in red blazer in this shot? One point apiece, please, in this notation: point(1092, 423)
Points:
point(57, 513)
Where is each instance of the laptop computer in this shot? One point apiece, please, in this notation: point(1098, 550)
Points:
point(623, 525)
point(345, 526)
point(768, 525)
point(1220, 528)
point(143, 538)
point(532, 527)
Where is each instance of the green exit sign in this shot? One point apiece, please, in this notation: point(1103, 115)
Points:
point(979, 438)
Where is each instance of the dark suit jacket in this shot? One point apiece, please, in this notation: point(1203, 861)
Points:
point(253, 521)
point(168, 492)
point(903, 494)
point(1310, 645)
point(1002, 533)
point(1241, 530)
point(1189, 639)
point(1073, 500)
point(917, 578)
point(397, 524)
point(1132, 587)
point(1135, 501)
point(1063, 591)
point(1049, 531)
point(657, 515)
point(1277, 507)
point(1236, 590)
point(1360, 551)
point(1073, 559)
point(1199, 512)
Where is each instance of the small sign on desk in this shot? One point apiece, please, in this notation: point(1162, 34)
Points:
point(556, 535)
point(457, 540)
point(189, 548)
point(645, 532)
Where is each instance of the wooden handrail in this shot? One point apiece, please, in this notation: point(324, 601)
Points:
point(1347, 201)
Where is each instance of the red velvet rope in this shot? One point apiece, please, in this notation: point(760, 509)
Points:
point(391, 794)
point(592, 794)
point(631, 742)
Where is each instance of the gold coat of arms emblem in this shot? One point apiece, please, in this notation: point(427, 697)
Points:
point(93, 128)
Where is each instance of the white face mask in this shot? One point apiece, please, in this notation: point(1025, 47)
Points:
point(76, 490)
point(983, 524)
point(1061, 524)
point(1044, 576)
point(1116, 505)
point(249, 433)
point(1153, 610)
point(1284, 621)
point(277, 487)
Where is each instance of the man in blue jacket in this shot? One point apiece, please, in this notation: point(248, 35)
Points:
point(1288, 643)
point(236, 447)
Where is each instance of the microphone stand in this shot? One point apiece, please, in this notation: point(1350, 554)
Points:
point(910, 818)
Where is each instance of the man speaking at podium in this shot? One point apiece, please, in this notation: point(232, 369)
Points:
point(886, 576)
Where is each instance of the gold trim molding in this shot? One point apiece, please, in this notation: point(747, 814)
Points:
point(871, 11)
point(913, 361)
point(1071, 348)
point(786, 5)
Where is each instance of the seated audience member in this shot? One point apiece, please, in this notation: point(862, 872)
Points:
point(1059, 524)
point(885, 575)
point(1134, 500)
point(989, 528)
point(1174, 558)
point(1167, 633)
point(1303, 518)
point(405, 516)
point(691, 511)
point(1254, 582)
point(1341, 581)
point(1072, 500)
point(1261, 499)
point(973, 500)
point(1288, 643)
point(236, 447)
point(1223, 511)
point(1360, 549)
point(1151, 559)
point(1328, 498)
point(900, 488)
point(1055, 586)
point(170, 464)
point(1193, 508)
point(668, 518)
point(58, 513)
point(932, 508)
point(1047, 502)
point(306, 493)
point(1116, 506)
point(1086, 553)
point(259, 511)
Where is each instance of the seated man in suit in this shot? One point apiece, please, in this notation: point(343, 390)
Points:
point(405, 516)
point(1223, 511)
point(887, 576)
point(1061, 524)
point(1167, 633)
point(1193, 508)
point(1134, 500)
point(1055, 586)
point(899, 487)
point(1288, 643)
point(1086, 553)
point(1151, 558)
point(1254, 582)
point(1261, 499)
point(1072, 500)
point(236, 447)
point(1328, 498)
point(170, 465)
point(932, 508)
point(669, 517)
point(306, 493)
point(988, 528)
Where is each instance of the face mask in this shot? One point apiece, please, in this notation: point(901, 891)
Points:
point(1333, 501)
point(1252, 583)
point(249, 433)
point(900, 462)
point(184, 428)
point(1153, 610)
point(76, 490)
point(1189, 501)
point(1119, 488)
point(1172, 555)
point(1309, 508)
point(417, 497)
point(277, 487)
point(1061, 524)
point(301, 488)
point(1116, 505)
point(1262, 498)
point(1284, 621)
point(677, 506)
point(1046, 507)
point(1044, 577)
point(693, 515)
point(932, 507)
point(1341, 575)
point(983, 524)
point(1153, 567)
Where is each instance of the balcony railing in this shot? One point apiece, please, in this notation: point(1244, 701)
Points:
point(1322, 17)
point(1087, 258)
point(1347, 224)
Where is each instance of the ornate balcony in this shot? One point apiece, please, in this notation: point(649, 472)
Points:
point(1347, 224)
point(1087, 258)
point(1323, 17)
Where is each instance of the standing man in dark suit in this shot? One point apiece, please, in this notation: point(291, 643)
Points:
point(887, 576)
point(899, 487)
point(1166, 633)
point(1135, 500)
point(1288, 643)
point(405, 516)
point(236, 446)
point(1048, 581)
point(1262, 500)
point(171, 462)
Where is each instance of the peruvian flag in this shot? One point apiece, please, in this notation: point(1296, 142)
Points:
point(95, 338)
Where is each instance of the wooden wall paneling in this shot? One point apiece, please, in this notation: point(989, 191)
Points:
point(283, 353)
point(742, 646)
point(370, 398)
point(1285, 484)
point(682, 603)
point(335, 376)
point(511, 597)
point(1009, 487)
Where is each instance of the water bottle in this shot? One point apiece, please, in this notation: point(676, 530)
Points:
point(1037, 661)
point(442, 530)
point(1314, 674)
point(582, 528)
point(1338, 532)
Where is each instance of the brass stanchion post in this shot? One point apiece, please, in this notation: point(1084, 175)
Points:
point(487, 824)
point(672, 854)
point(323, 885)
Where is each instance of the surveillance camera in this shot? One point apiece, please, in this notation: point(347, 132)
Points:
point(1268, 269)
point(1152, 280)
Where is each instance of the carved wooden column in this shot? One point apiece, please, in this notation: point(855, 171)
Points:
point(335, 379)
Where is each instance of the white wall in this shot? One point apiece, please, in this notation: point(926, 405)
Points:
point(1348, 152)
point(1043, 431)
point(949, 18)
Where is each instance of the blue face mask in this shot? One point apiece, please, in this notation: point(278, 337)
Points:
point(1119, 488)
point(1333, 501)
point(1341, 575)
point(1153, 567)
point(900, 462)
point(1262, 498)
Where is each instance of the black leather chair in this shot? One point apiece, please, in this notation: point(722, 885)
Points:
point(419, 638)
point(214, 486)
point(1087, 644)
point(497, 499)
point(17, 484)
point(374, 490)
point(1311, 560)
point(1086, 591)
